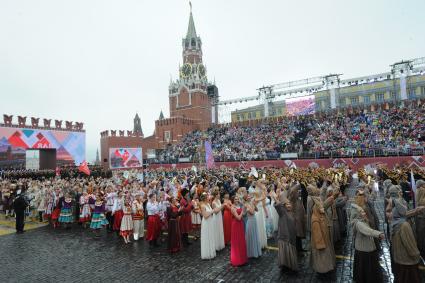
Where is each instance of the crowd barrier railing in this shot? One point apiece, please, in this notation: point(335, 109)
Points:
point(332, 154)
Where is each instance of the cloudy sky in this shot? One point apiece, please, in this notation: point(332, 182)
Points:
point(102, 61)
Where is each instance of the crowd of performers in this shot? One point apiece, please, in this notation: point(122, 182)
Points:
point(303, 209)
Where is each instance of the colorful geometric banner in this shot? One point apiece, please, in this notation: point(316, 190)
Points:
point(125, 158)
point(70, 146)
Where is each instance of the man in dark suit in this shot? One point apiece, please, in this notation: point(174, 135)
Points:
point(19, 205)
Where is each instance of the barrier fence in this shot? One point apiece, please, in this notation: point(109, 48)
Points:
point(274, 155)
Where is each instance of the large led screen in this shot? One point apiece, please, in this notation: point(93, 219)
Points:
point(125, 158)
point(70, 146)
point(300, 106)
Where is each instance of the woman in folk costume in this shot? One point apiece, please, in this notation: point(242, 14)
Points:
point(66, 216)
point(109, 198)
point(174, 236)
point(261, 214)
point(298, 210)
point(218, 220)
point(227, 219)
point(138, 216)
point(154, 225)
point(404, 250)
point(208, 246)
point(238, 252)
point(126, 225)
point(270, 215)
point(41, 200)
point(322, 256)
point(49, 204)
point(332, 215)
point(287, 253)
point(366, 258)
point(274, 214)
point(186, 218)
point(196, 215)
point(85, 211)
point(341, 203)
point(253, 247)
point(420, 218)
point(56, 207)
point(118, 212)
point(98, 219)
point(362, 199)
point(163, 204)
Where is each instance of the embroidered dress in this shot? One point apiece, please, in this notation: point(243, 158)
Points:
point(85, 211)
point(138, 223)
point(154, 225)
point(117, 210)
point(66, 212)
point(49, 205)
point(56, 209)
point(98, 219)
point(196, 216)
point(126, 227)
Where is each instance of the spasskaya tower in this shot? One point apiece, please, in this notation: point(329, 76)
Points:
point(191, 95)
point(192, 100)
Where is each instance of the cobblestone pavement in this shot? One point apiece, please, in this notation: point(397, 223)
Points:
point(7, 225)
point(48, 255)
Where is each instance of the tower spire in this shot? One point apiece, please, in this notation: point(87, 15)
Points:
point(191, 31)
point(97, 162)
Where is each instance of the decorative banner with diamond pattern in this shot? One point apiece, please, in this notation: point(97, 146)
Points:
point(70, 146)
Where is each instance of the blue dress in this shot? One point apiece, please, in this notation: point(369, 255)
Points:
point(253, 247)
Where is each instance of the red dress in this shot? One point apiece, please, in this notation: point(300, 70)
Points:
point(227, 225)
point(238, 255)
point(186, 219)
point(174, 236)
point(117, 219)
point(154, 224)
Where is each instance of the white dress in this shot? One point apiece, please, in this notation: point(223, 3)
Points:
point(218, 225)
point(207, 235)
point(269, 220)
point(261, 223)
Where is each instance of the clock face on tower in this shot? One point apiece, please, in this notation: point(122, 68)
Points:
point(186, 70)
point(201, 70)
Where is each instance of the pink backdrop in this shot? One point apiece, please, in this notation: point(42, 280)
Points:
point(354, 163)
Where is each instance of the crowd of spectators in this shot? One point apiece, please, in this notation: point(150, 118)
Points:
point(395, 131)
